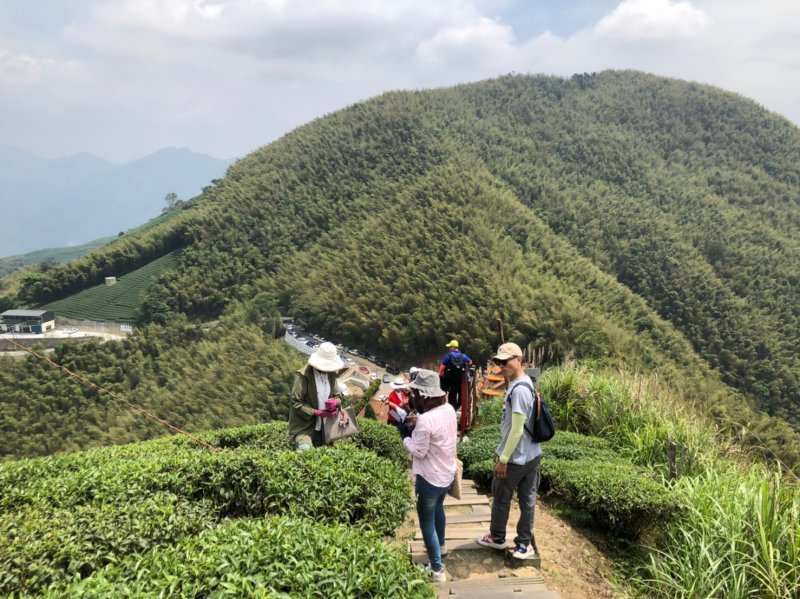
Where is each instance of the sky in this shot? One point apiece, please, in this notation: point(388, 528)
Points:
point(122, 78)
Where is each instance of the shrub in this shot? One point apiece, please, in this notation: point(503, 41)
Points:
point(490, 411)
point(616, 494)
point(480, 445)
point(46, 547)
point(336, 484)
point(481, 472)
point(273, 557)
point(381, 438)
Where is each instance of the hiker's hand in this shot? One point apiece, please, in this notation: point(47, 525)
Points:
point(325, 413)
point(500, 470)
point(411, 420)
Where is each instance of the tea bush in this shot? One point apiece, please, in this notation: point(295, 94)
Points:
point(586, 473)
point(337, 484)
point(490, 411)
point(617, 495)
point(46, 547)
point(273, 557)
point(381, 438)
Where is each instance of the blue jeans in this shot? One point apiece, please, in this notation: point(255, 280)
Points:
point(430, 510)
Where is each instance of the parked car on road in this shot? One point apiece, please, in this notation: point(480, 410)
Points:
point(387, 378)
point(391, 369)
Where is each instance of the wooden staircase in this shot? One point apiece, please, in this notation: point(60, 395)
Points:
point(467, 519)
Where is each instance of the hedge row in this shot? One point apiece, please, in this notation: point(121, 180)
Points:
point(381, 438)
point(587, 474)
point(66, 516)
point(337, 484)
point(46, 547)
point(273, 557)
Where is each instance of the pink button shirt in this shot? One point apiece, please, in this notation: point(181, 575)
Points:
point(433, 446)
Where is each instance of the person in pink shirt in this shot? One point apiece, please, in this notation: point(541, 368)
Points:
point(432, 446)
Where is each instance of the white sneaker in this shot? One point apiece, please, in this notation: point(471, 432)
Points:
point(521, 552)
point(437, 577)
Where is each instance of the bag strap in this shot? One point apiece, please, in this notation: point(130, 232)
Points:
point(537, 399)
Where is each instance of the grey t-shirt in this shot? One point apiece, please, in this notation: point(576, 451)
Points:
point(521, 402)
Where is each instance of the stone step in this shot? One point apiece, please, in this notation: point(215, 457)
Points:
point(497, 588)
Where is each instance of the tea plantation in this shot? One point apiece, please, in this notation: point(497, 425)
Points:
point(174, 518)
point(117, 303)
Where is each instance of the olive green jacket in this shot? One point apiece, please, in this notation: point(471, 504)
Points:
point(304, 401)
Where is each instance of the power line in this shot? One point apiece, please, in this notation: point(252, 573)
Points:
point(133, 407)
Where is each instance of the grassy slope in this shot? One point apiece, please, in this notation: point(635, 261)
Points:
point(118, 303)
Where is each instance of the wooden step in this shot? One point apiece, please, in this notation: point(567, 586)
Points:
point(466, 531)
point(476, 513)
point(418, 547)
point(497, 588)
point(467, 500)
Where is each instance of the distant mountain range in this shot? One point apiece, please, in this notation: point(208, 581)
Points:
point(51, 202)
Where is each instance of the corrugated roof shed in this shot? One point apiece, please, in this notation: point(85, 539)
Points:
point(25, 313)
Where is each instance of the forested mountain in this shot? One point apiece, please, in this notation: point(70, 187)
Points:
point(620, 217)
point(65, 201)
point(49, 256)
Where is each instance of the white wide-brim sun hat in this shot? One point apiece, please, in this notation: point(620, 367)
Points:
point(399, 383)
point(326, 358)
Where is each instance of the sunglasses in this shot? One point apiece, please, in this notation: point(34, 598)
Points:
point(503, 362)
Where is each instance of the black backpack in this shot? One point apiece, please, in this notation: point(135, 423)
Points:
point(456, 363)
point(540, 426)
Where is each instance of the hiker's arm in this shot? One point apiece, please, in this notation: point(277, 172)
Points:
point(299, 390)
point(419, 442)
point(514, 436)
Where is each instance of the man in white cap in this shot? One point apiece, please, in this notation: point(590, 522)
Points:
point(315, 396)
point(518, 457)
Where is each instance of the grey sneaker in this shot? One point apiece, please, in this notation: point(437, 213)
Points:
point(488, 541)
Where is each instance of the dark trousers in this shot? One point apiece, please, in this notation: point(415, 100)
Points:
point(430, 510)
point(451, 383)
point(525, 481)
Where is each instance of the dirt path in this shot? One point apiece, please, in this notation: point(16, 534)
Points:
point(572, 565)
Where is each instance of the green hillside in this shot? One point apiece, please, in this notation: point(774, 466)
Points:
point(120, 302)
point(49, 256)
point(620, 217)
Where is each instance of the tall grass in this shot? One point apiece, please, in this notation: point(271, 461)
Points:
point(739, 538)
point(645, 420)
point(739, 535)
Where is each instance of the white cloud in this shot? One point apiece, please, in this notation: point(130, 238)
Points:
point(635, 20)
point(19, 69)
point(472, 43)
point(224, 76)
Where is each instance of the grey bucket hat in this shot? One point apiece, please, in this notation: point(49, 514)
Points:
point(427, 383)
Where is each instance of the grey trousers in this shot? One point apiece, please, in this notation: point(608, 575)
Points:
point(525, 481)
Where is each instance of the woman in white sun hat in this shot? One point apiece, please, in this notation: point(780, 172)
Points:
point(315, 396)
